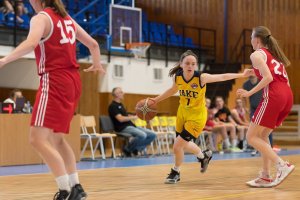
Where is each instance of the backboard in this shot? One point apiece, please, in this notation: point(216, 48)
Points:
point(125, 26)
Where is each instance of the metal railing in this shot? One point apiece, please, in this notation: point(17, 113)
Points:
point(242, 48)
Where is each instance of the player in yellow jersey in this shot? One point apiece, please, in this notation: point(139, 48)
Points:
point(192, 113)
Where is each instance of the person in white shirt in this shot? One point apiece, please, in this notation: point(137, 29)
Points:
point(13, 95)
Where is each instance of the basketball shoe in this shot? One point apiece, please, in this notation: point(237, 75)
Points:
point(80, 191)
point(65, 195)
point(205, 161)
point(261, 182)
point(283, 172)
point(173, 177)
point(61, 195)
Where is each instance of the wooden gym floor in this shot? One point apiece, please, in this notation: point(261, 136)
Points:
point(225, 179)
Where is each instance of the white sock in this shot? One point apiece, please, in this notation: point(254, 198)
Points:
point(63, 182)
point(226, 143)
point(200, 155)
point(73, 179)
point(175, 168)
point(234, 142)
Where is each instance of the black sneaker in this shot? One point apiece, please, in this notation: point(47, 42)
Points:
point(75, 195)
point(204, 161)
point(173, 177)
point(61, 195)
point(126, 153)
point(80, 191)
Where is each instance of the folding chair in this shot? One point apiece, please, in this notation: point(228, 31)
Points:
point(107, 126)
point(90, 123)
point(201, 140)
point(162, 136)
point(143, 124)
point(172, 128)
point(88, 140)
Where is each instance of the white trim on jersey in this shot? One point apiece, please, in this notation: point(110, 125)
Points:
point(41, 109)
point(51, 29)
point(264, 105)
point(264, 55)
point(42, 58)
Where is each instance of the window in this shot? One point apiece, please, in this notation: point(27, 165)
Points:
point(118, 71)
point(157, 74)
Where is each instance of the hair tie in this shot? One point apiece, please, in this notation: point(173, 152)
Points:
point(268, 36)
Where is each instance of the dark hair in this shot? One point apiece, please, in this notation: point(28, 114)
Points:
point(269, 41)
point(13, 92)
point(57, 5)
point(177, 66)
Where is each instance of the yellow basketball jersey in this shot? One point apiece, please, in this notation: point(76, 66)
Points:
point(192, 95)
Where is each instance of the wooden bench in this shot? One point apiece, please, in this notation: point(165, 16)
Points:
point(290, 129)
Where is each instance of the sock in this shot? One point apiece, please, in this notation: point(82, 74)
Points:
point(73, 179)
point(200, 155)
point(226, 143)
point(234, 142)
point(175, 168)
point(63, 182)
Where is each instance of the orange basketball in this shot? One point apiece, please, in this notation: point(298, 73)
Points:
point(146, 109)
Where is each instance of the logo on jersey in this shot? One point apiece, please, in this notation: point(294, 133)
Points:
point(188, 93)
point(194, 85)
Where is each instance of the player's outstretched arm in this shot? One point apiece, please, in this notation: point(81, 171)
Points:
point(83, 37)
point(211, 78)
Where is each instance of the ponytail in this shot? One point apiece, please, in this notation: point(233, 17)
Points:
point(57, 5)
point(277, 52)
point(271, 43)
point(177, 67)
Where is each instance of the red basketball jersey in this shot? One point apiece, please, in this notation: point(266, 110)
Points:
point(276, 68)
point(58, 49)
point(277, 95)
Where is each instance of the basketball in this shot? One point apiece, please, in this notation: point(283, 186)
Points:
point(146, 109)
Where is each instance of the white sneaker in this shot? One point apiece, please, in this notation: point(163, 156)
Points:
point(261, 182)
point(283, 172)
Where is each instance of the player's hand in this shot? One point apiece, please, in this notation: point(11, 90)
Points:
point(242, 93)
point(152, 99)
point(95, 68)
point(134, 117)
point(248, 72)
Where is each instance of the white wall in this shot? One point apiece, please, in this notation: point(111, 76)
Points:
point(138, 76)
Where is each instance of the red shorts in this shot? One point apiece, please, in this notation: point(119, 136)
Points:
point(56, 100)
point(274, 107)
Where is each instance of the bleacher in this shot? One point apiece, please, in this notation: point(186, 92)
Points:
point(289, 132)
point(93, 16)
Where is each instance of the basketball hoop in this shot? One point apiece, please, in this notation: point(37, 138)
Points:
point(138, 49)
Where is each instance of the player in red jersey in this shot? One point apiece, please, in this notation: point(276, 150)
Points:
point(52, 36)
point(269, 63)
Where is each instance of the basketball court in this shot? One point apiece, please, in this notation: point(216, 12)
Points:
point(143, 178)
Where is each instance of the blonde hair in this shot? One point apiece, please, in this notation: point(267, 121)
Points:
point(176, 68)
point(57, 5)
point(264, 34)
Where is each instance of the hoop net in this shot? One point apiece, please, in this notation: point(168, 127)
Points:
point(138, 49)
